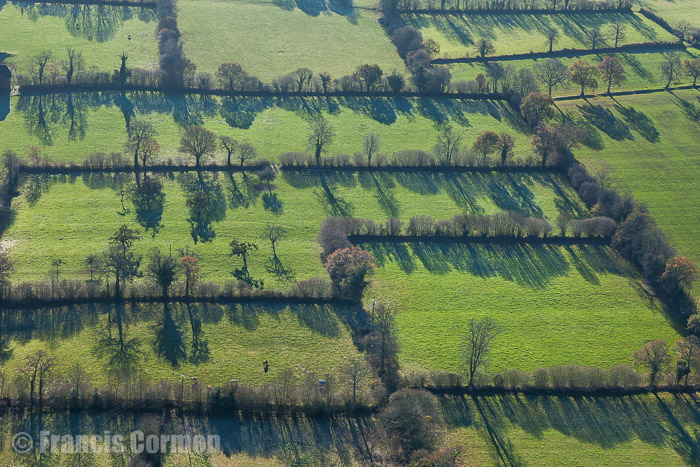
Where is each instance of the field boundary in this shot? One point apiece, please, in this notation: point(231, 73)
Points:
point(275, 297)
point(500, 239)
point(36, 90)
point(129, 3)
point(641, 47)
point(491, 11)
point(625, 93)
point(570, 392)
point(77, 169)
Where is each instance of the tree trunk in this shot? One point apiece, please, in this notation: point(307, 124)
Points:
point(116, 284)
point(318, 155)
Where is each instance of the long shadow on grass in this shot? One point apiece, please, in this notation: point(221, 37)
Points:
point(467, 29)
point(90, 22)
point(639, 121)
point(532, 266)
point(49, 116)
point(606, 422)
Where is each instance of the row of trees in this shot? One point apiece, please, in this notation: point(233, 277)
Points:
point(502, 224)
point(505, 5)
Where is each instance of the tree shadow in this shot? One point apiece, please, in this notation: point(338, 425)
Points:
point(603, 119)
point(467, 29)
point(606, 422)
point(199, 346)
point(690, 110)
point(205, 201)
point(639, 121)
point(533, 266)
point(98, 23)
point(169, 342)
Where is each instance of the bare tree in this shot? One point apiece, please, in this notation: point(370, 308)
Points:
point(617, 31)
point(320, 137)
point(384, 318)
point(595, 37)
point(273, 233)
point(477, 345)
point(552, 37)
point(370, 146)
point(139, 132)
point(448, 145)
point(552, 73)
point(302, 76)
point(654, 356)
point(198, 142)
point(684, 29)
point(40, 61)
point(246, 152)
point(670, 68)
point(355, 372)
point(73, 64)
point(229, 145)
point(36, 369)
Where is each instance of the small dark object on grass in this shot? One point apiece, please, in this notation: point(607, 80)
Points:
point(265, 367)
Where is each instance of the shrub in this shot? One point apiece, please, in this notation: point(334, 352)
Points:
point(349, 269)
point(314, 287)
point(411, 420)
point(332, 235)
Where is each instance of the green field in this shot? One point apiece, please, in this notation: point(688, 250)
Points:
point(673, 11)
point(642, 71)
point(74, 218)
point(101, 32)
point(225, 342)
point(246, 441)
point(270, 39)
point(71, 126)
point(556, 305)
point(624, 431)
point(521, 33)
point(651, 144)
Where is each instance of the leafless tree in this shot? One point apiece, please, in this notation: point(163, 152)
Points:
point(477, 345)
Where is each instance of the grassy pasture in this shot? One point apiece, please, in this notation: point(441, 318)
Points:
point(643, 71)
point(215, 343)
point(673, 11)
point(71, 126)
point(625, 431)
point(521, 33)
point(100, 32)
point(270, 39)
point(73, 218)
point(246, 441)
point(556, 305)
point(651, 144)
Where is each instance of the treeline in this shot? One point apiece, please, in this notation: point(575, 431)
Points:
point(504, 6)
point(37, 384)
point(683, 30)
point(503, 224)
point(552, 74)
point(559, 379)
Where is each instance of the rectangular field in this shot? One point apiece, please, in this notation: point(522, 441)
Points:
point(214, 343)
point(650, 142)
point(522, 33)
point(101, 32)
point(271, 39)
point(556, 305)
point(623, 431)
point(73, 217)
point(643, 71)
point(71, 126)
